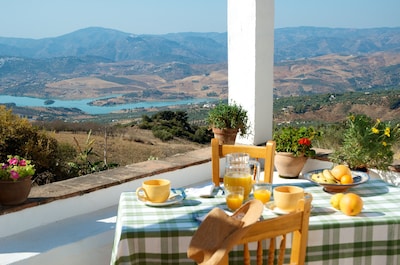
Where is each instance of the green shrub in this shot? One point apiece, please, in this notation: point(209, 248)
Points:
point(202, 135)
point(19, 137)
point(68, 153)
point(163, 135)
point(166, 125)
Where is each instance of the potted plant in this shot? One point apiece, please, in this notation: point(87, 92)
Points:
point(293, 147)
point(367, 143)
point(227, 120)
point(15, 180)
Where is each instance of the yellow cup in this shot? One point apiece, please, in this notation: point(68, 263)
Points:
point(287, 197)
point(155, 190)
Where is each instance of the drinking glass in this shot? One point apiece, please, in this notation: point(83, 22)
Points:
point(234, 197)
point(262, 191)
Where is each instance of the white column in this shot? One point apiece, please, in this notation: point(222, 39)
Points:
point(251, 62)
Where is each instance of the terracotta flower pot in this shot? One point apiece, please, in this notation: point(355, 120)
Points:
point(225, 136)
point(288, 165)
point(14, 192)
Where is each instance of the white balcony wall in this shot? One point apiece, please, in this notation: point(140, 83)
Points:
point(77, 230)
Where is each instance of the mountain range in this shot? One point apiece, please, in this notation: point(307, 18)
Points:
point(101, 61)
point(198, 48)
point(117, 46)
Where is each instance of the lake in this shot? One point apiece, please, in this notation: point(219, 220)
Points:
point(83, 104)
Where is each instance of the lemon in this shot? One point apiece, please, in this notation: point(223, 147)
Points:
point(335, 200)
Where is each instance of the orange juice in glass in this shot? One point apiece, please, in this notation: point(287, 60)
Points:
point(234, 197)
point(262, 191)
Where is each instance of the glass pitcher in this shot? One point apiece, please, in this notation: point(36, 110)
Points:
point(240, 170)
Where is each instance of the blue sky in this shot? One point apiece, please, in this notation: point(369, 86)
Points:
point(337, 13)
point(50, 18)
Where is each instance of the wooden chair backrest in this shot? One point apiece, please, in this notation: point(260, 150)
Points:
point(274, 230)
point(266, 152)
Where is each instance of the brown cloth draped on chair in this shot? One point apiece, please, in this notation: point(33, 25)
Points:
point(219, 233)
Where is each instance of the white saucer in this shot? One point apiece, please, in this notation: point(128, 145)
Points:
point(172, 200)
point(271, 206)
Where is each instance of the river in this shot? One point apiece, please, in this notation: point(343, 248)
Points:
point(83, 104)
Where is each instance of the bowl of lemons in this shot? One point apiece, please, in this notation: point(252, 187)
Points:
point(337, 179)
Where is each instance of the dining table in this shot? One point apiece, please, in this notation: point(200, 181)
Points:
point(154, 234)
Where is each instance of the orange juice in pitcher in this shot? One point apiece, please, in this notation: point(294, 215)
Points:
point(239, 169)
point(239, 179)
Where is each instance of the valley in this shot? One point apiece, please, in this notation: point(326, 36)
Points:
point(148, 68)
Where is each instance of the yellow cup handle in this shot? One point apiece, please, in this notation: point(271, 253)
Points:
point(140, 196)
point(308, 197)
point(301, 202)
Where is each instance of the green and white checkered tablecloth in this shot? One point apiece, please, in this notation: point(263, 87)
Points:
point(161, 235)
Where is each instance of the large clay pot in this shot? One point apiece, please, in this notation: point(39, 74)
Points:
point(14, 192)
point(225, 136)
point(288, 165)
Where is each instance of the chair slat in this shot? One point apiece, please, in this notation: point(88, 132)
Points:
point(282, 249)
point(271, 251)
point(246, 254)
point(259, 252)
point(267, 153)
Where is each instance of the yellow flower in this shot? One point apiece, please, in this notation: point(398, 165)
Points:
point(378, 121)
point(375, 130)
point(384, 143)
point(387, 131)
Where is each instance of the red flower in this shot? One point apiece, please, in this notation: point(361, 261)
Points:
point(305, 141)
point(14, 174)
point(13, 161)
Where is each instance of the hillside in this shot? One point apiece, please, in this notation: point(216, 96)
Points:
point(139, 81)
point(306, 42)
point(126, 67)
point(336, 73)
point(334, 107)
point(133, 146)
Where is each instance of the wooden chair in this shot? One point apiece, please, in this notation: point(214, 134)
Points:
point(266, 152)
point(275, 230)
